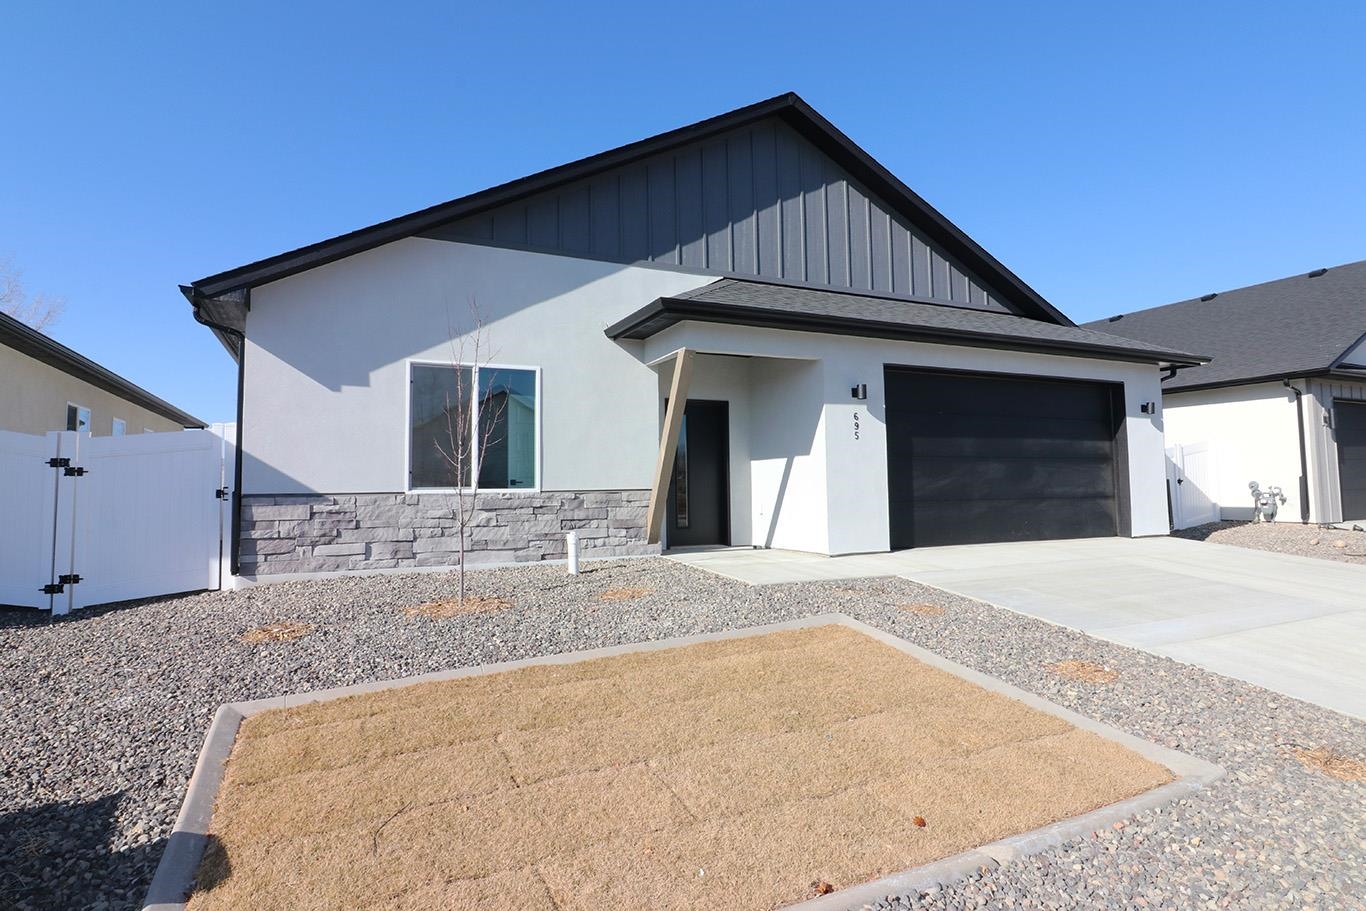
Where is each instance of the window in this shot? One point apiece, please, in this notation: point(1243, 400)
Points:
point(120, 427)
point(77, 418)
point(447, 402)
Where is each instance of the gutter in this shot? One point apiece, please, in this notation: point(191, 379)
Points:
point(195, 299)
point(1304, 458)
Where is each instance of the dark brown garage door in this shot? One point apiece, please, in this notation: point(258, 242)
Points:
point(1349, 426)
point(973, 458)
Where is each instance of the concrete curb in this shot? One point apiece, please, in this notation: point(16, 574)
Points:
point(174, 877)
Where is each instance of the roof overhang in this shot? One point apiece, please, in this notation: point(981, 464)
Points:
point(669, 311)
point(29, 341)
point(1349, 374)
point(789, 107)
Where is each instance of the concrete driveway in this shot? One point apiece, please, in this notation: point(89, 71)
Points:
point(1295, 625)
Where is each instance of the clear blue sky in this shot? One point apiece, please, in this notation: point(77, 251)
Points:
point(1114, 156)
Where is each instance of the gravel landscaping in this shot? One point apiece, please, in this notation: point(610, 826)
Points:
point(102, 714)
point(1325, 542)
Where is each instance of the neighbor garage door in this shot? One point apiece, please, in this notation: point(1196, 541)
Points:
point(973, 458)
point(1349, 426)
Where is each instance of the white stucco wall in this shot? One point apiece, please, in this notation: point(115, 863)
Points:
point(1254, 435)
point(324, 407)
point(326, 388)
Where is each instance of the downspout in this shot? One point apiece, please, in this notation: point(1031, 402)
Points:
point(1304, 459)
point(235, 563)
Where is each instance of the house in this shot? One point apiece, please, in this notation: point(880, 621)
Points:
point(742, 332)
point(46, 386)
point(1283, 402)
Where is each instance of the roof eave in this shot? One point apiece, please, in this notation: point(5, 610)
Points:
point(792, 108)
point(32, 343)
point(664, 312)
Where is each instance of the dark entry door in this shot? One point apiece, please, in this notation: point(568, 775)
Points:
point(699, 493)
point(973, 458)
point(1349, 425)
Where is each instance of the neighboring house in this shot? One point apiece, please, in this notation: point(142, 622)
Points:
point(856, 373)
point(1283, 402)
point(46, 386)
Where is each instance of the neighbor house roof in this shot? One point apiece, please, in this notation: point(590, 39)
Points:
point(754, 303)
point(208, 293)
point(29, 341)
point(1292, 327)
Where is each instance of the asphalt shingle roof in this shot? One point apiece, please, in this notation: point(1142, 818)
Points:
point(816, 309)
point(1289, 327)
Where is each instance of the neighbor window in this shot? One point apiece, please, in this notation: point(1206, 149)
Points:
point(77, 418)
point(120, 427)
point(447, 403)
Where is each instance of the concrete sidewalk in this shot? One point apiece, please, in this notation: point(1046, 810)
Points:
point(1295, 625)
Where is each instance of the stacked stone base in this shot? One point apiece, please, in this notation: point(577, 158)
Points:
point(320, 533)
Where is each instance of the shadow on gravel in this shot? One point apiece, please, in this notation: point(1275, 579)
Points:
point(17, 617)
point(57, 856)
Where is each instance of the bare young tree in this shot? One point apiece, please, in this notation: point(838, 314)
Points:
point(472, 421)
point(38, 311)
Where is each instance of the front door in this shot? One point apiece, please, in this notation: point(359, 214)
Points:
point(699, 492)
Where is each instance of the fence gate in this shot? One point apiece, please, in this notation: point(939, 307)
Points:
point(1191, 482)
point(89, 520)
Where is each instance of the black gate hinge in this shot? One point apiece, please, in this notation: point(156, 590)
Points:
point(73, 472)
point(221, 493)
point(60, 462)
point(69, 578)
point(52, 588)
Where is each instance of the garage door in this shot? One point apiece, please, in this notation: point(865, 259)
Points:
point(1349, 422)
point(973, 458)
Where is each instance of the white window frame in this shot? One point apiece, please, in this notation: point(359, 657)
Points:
point(89, 417)
point(474, 369)
point(118, 427)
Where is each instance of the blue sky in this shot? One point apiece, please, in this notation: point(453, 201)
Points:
point(1114, 156)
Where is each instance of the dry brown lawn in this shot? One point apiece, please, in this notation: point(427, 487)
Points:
point(280, 631)
point(452, 607)
point(1084, 671)
point(747, 773)
point(1331, 761)
point(625, 594)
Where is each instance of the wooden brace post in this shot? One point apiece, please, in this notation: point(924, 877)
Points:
point(668, 444)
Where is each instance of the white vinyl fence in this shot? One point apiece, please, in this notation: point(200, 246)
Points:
point(1191, 483)
point(88, 520)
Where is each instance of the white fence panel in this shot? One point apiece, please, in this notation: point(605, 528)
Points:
point(146, 520)
point(27, 489)
point(1191, 472)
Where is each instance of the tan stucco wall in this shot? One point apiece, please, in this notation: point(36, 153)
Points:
point(34, 395)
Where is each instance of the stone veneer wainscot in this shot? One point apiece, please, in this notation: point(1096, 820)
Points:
point(321, 533)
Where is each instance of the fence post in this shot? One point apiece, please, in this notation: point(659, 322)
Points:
point(67, 446)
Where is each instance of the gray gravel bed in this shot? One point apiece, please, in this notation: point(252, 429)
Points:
point(102, 714)
point(1326, 542)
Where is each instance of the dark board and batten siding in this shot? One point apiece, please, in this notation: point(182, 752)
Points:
point(760, 200)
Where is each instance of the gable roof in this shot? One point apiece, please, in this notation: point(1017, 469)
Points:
point(1291, 327)
point(753, 303)
point(29, 341)
point(790, 108)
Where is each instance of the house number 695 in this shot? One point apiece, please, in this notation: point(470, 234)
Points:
point(856, 425)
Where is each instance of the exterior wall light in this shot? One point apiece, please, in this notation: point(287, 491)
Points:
point(1148, 408)
point(859, 392)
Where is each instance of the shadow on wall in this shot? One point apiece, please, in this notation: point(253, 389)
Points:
point(57, 855)
point(787, 400)
point(399, 301)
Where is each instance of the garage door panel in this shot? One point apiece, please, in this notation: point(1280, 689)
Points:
point(1026, 479)
point(987, 521)
point(1349, 429)
point(976, 458)
point(997, 396)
